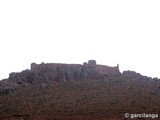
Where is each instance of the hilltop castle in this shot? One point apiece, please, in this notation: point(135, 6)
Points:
point(64, 72)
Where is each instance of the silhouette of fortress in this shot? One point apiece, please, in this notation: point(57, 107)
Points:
point(59, 71)
point(64, 72)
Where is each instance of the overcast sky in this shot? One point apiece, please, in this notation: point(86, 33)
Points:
point(73, 31)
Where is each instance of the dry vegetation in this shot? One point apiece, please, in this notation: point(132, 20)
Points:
point(101, 99)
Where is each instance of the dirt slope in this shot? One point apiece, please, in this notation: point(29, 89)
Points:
point(100, 99)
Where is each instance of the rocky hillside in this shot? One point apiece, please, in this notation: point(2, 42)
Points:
point(33, 95)
point(57, 72)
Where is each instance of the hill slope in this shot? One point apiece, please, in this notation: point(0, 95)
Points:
point(94, 99)
point(78, 92)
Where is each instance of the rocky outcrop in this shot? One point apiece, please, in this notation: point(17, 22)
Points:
point(40, 73)
point(131, 74)
point(38, 95)
point(109, 98)
point(16, 81)
point(24, 76)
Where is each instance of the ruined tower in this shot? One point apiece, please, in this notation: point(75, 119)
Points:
point(92, 62)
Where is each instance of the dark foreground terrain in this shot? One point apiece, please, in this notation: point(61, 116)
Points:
point(79, 92)
point(107, 99)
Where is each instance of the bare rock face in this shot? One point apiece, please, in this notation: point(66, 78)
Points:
point(132, 74)
point(16, 81)
point(24, 76)
point(40, 73)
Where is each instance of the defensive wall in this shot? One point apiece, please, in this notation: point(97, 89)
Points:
point(64, 72)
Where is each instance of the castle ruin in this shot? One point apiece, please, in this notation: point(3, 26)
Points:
point(64, 72)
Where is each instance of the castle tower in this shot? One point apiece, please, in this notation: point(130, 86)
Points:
point(118, 66)
point(85, 63)
point(33, 66)
point(92, 62)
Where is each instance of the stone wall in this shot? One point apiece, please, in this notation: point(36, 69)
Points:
point(106, 70)
point(64, 72)
point(56, 71)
